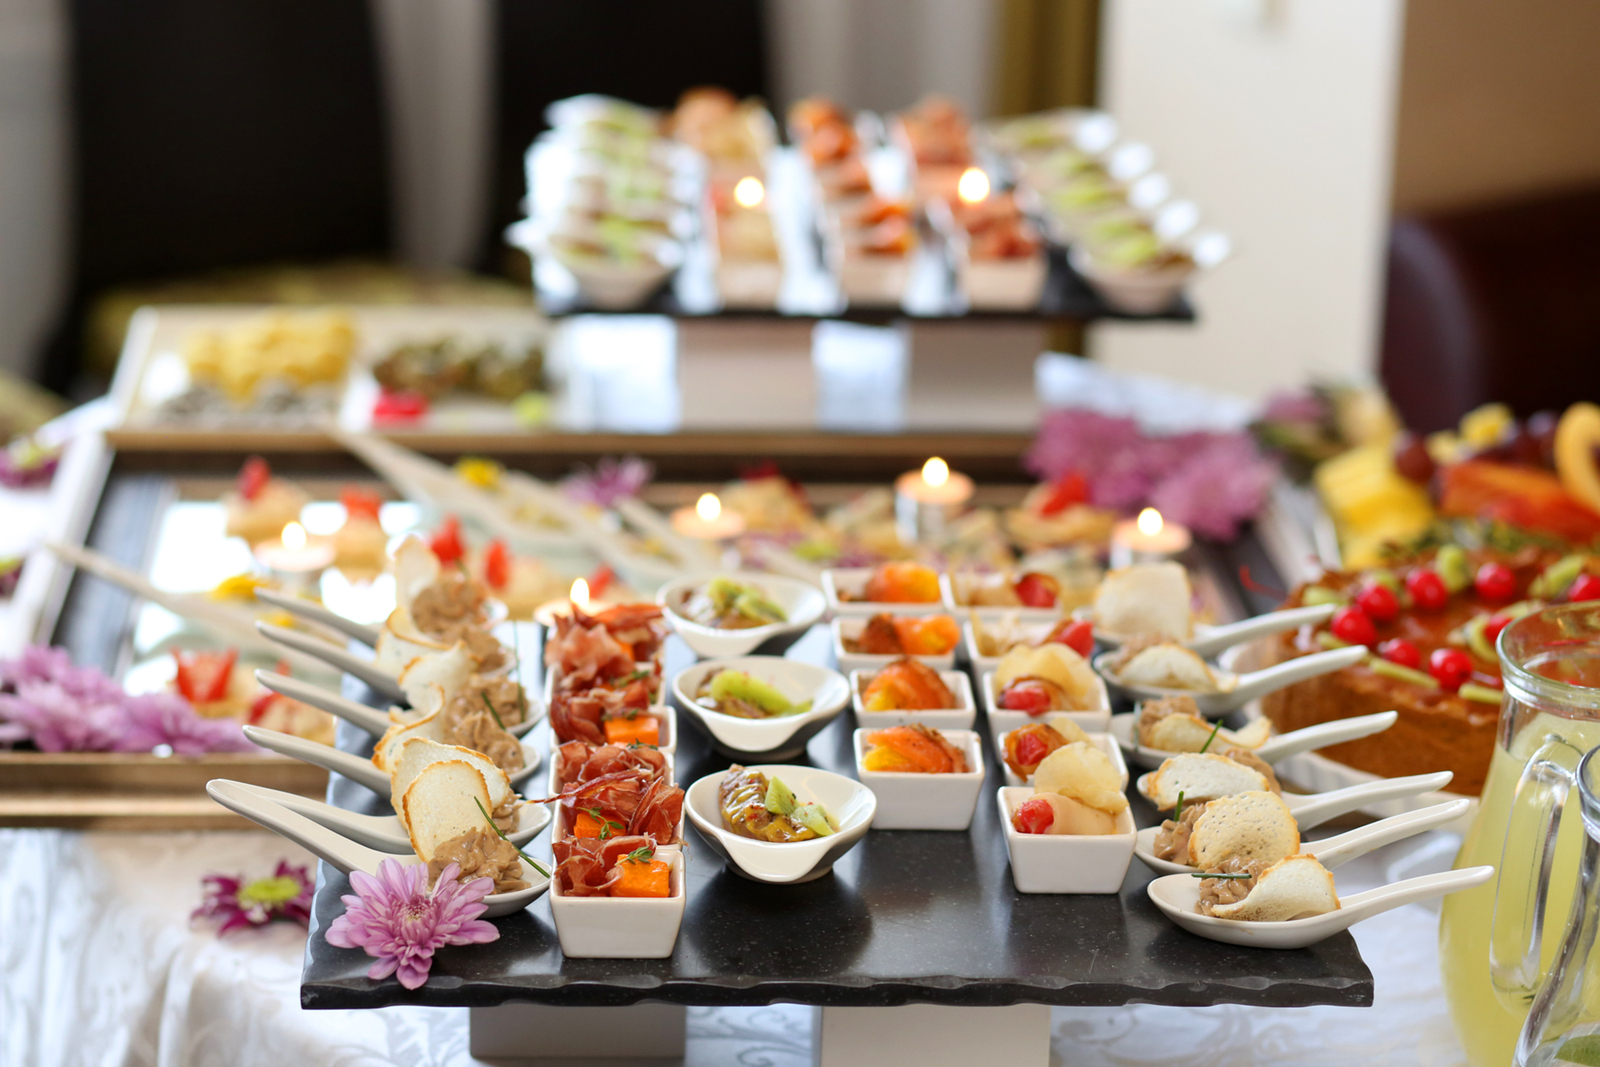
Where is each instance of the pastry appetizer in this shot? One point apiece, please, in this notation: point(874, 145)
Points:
point(1154, 661)
point(1051, 677)
point(1174, 724)
point(1293, 888)
point(261, 505)
point(1255, 825)
point(1027, 746)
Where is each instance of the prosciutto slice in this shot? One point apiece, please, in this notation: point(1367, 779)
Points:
point(587, 867)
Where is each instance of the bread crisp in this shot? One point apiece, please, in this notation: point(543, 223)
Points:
point(1248, 826)
point(417, 753)
point(1200, 776)
point(1294, 888)
point(444, 801)
point(1146, 598)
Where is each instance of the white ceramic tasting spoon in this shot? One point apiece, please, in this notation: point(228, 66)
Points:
point(1314, 809)
point(345, 854)
point(372, 720)
point(1125, 728)
point(1330, 851)
point(314, 612)
point(1177, 895)
point(1210, 640)
point(1234, 691)
point(359, 770)
point(382, 682)
point(386, 833)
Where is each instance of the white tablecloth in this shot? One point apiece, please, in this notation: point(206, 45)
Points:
point(100, 967)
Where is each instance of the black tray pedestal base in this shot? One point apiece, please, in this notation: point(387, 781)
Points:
point(639, 1035)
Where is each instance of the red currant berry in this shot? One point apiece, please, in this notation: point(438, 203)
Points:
point(1401, 651)
point(1450, 667)
point(1495, 583)
point(1497, 622)
point(1585, 587)
point(1351, 625)
point(1427, 589)
point(1379, 602)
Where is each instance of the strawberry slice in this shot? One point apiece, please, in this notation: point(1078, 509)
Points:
point(203, 676)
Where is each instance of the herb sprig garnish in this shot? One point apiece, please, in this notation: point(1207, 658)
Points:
point(490, 705)
point(1177, 812)
point(639, 855)
point(1212, 738)
point(606, 825)
point(642, 744)
point(535, 864)
point(1220, 877)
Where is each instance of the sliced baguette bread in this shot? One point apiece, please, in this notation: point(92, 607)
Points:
point(448, 670)
point(387, 749)
point(416, 753)
point(1189, 733)
point(400, 642)
point(1294, 888)
point(1168, 667)
point(1246, 826)
point(1199, 776)
point(443, 802)
point(1146, 598)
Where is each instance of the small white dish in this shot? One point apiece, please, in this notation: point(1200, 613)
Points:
point(852, 582)
point(1177, 895)
point(852, 805)
point(800, 601)
point(873, 280)
point(914, 801)
point(957, 589)
point(1133, 292)
point(1014, 284)
point(849, 662)
point(621, 928)
point(1124, 728)
point(1065, 863)
point(1104, 742)
point(1033, 633)
point(1095, 720)
point(770, 739)
point(960, 717)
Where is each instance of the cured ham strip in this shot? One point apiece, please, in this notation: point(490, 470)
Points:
point(588, 867)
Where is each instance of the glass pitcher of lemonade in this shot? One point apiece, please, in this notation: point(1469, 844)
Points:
point(1497, 941)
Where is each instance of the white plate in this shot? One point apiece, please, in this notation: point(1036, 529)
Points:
point(960, 717)
point(850, 662)
point(621, 928)
point(800, 601)
point(915, 801)
point(1104, 742)
point(1002, 721)
point(852, 804)
point(853, 580)
point(1065, 863)
point(777, 738)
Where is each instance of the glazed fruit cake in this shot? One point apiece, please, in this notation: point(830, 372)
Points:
point(1431, 625)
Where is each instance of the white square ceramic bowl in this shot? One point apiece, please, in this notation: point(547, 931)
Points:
point(852, 804)
point(621, 928)
point(1065, 863)
point(1032, 632)
point(1104, 742)
point(956, 588)
point(752, 740)
point(1003, 284)
point(913, 801)
point(801, 601)
point(1096, 720)
point(850, 662)
point(666, 727)
point(853, 581)
point(960, 717)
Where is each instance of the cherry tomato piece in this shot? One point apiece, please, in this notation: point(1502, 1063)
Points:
point(1076, 634)
point(1351, 625)
point(1450, 667)
point(1427, 589)
point(1497, 622)
point(253, 477)
point(1031, 697)
point(1584, 587)
point(446, 541)
point(1379, 602)
point(1034, 816)
point(1069, 489)
point(1031, 749)
point(1037, 590)
point(402, 405)
point(1402, 652)
point(497, 564)
point(1495, 583)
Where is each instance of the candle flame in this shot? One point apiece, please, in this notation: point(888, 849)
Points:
point(708, 507)
point(973, 186)
point(1150, 522)
point(749, 192)
point(580, 594)
point(294, 537)
point(936, 472)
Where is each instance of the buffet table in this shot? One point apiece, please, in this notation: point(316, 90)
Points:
point(102, 966)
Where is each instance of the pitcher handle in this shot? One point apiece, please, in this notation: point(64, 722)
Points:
point(1516, 942)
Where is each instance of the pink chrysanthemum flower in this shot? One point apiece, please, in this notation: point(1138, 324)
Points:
point(396, 919)
point(610, 481)
point(284, 896)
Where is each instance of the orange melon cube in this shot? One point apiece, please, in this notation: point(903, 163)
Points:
point(643, 878)
point(640, 729)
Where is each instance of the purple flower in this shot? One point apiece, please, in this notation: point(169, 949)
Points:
point(59, 720)
point(284, 896)
point(610, 481)
point(167, 719)
point(25, 462)
point(396, 919)
point(1219, 486)
point(38, 663)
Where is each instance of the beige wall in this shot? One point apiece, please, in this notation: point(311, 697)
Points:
point(1497, 97)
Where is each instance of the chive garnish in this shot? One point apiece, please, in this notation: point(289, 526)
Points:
point(641, 744)
point(492, 825)
point(1220, 877)
point(490, 705)
point(1212, 738)
point(1177, 812)
point(640, 855)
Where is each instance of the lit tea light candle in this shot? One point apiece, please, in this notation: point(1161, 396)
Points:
point(973, 186)
point(749, 192)
point(294, 554)
point(1147, 539)
point(578, 599)
point(707, 520)
point(925, 500)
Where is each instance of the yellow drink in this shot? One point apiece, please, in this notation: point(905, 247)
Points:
point(1486, 1025)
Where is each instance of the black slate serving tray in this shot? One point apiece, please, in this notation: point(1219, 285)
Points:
point(905, 917)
